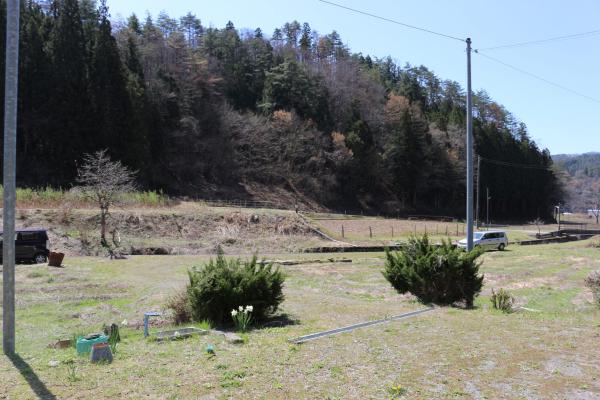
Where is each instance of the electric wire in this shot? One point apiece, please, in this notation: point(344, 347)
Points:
point(391, 20)
point(585, 96)
point(516, 165)
point(542, 41)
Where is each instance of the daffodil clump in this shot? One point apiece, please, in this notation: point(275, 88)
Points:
point(242, 317)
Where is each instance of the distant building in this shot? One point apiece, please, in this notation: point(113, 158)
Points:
point(593, 213)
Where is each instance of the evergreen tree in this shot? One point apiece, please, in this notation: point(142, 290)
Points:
point(133, 23)
point(192, 29)
point(289, 86)
point(305, 41)
point(34, 97)
point(111, 102)
point(68, 124)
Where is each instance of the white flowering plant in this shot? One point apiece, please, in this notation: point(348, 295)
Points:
point(242, 317)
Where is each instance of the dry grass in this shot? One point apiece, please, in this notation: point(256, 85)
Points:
point(384, 231)
point(450, 353)
point(188, 228)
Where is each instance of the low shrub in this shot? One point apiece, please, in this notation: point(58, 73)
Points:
point(594, 244)
point(179, 305)
point(223, 285)
point(593, 282)
point(439, 274)
point(502, 300)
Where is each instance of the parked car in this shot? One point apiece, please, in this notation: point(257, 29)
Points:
point(31, 245)
point(489, 240)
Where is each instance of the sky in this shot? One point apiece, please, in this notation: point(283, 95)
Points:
point(557, 119)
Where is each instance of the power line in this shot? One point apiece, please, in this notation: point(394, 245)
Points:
point(552, 39)
point(391, 20)
point(585, 96)
point(516, 165)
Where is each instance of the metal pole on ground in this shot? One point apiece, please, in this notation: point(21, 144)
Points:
point(10, 155)
point(469, 152)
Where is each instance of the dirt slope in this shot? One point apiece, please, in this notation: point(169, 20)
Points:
point(183, 229)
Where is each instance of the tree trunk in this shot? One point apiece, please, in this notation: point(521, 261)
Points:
point(103, 213)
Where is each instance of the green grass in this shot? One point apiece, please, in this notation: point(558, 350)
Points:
point(449, 353)
point(49, 197)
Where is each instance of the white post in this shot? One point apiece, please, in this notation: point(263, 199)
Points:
point(10, 155)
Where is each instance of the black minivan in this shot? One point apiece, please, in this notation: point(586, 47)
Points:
point(31, 245)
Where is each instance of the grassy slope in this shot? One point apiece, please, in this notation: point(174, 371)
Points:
point(449, 353)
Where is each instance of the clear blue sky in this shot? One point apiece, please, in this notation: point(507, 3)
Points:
point(558, 120)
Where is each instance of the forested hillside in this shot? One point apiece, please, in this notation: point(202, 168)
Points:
point(582, 179)
point(222, 112)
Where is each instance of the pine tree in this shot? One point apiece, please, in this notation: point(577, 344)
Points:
point(192, 29)
point(133, 23)
point(305, 41)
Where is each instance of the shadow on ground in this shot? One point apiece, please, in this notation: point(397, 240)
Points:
point(38, 387)
point(279, 321)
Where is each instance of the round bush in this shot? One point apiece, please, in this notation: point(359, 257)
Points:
point(593, 282)
point(223, 285)
point(439, 274)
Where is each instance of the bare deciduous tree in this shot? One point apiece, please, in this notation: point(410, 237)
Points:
point(537, 222)
point(104, 181)
point(596, 210)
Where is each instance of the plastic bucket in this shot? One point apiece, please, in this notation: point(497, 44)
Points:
point(55, 259)
point(84, 346)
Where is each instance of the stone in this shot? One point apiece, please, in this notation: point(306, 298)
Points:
point(230, 337)
point(53, 363)
point(233, 338)
point(61, 344)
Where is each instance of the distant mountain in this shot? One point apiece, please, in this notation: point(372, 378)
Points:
point(582, 179)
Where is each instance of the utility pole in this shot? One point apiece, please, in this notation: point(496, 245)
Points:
point(477, 193)
point(487, 208)
point(10, 156)
point(469, 152)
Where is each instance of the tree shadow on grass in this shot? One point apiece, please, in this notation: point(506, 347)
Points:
point(38, 387)
point(278, 321)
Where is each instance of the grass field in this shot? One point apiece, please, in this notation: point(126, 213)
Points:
point(549, 353)
point(379, 230)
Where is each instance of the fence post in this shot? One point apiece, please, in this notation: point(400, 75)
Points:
point(392, 231)
point(343, 232)
point(457, 229)
point(370, 233)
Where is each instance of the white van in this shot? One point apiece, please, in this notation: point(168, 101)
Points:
point(489, 240)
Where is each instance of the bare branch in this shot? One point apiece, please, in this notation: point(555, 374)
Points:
point(104, 181)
